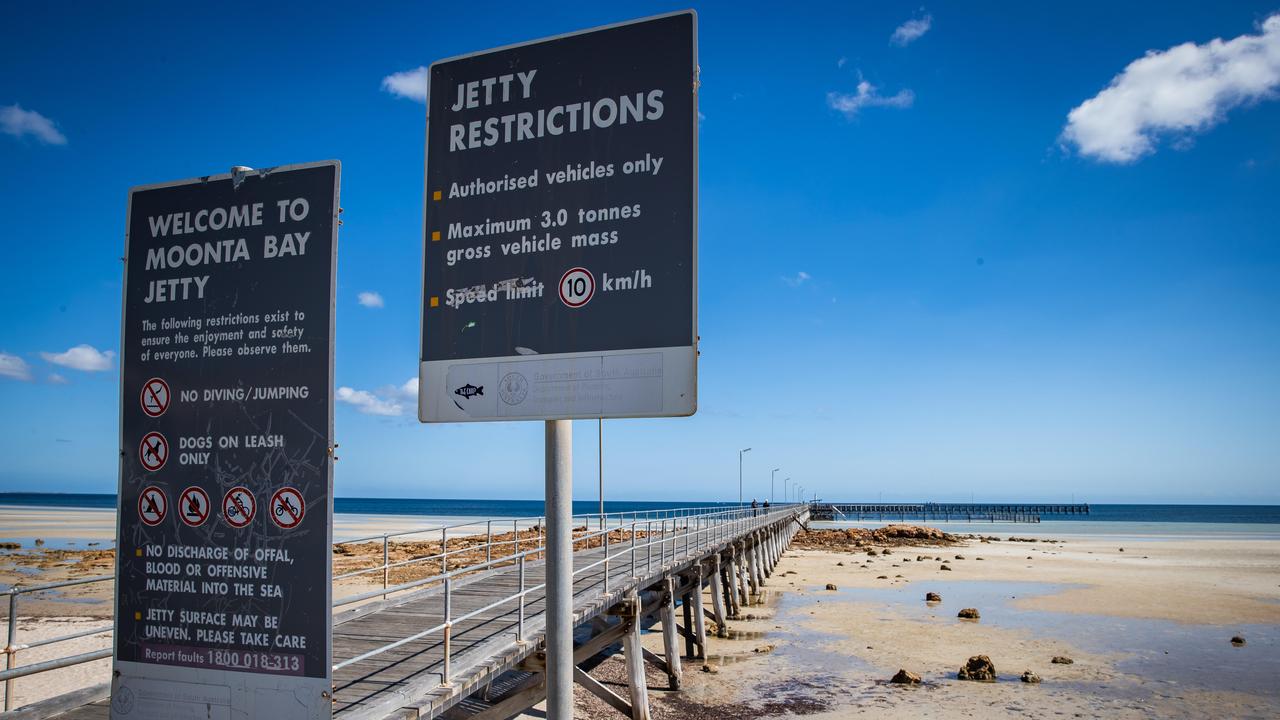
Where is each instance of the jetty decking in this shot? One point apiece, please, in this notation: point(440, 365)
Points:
point(969, 512)
point(475, 633)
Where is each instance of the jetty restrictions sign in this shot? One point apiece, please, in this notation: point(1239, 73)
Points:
point(226, 403)
point(560, 245)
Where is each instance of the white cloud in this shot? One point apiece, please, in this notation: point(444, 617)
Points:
point(410, 84)
point(18, 122)
point(868, 95)
point(14, 367)
point(798, 279)
point(1180, 91)
point(81, 357)
point(57, 379)
point(370, 299)
point(368, 403)
point(911, 30)
point(391, 401)
point(842, 62)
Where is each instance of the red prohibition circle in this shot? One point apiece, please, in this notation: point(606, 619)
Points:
point(241, 510)
point(153, 505)
point(155, 397)
point(591, 287)
point(153, 451)
point(287, 508)
point(190, 509)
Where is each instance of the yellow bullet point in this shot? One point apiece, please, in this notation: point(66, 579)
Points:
point(435, 301)
point(435, 236)
point(138, 552)
point(137, 616)
point(436, 195)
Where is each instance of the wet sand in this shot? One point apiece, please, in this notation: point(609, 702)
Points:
point(1148, 629)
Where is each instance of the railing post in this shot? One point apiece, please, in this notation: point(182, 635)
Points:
point(448, 629)
point(444, 550)
point(11, 648)
point(488, 541)
point(606, 560)
point(633, 548)
point(520, 621)
point(386, 562)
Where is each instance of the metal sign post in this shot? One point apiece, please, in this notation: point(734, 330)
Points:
point(224, 522)
point(560, 251)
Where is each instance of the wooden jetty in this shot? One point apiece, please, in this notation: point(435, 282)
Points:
point(469, 641)
point(925, 512)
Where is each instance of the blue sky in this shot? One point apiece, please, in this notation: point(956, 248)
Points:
point(945, 250)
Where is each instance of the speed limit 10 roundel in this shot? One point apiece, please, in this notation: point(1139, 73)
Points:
point(577, 286)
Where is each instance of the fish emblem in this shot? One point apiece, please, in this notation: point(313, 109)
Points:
point(469, 391)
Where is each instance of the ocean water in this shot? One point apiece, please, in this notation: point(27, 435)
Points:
point(1152, 521)
point(383, 506)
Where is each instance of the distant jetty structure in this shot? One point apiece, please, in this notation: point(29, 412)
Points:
point(926, 512)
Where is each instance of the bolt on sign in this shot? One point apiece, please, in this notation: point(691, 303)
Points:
point(560, 262)
point(223, 610)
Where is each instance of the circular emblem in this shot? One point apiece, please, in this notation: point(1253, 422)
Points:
point(577, 285)
point(513, 389)
point(122, 700)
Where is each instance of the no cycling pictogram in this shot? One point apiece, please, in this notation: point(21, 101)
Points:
point(193, 506)
point(153, 451)
point(152, 506)
point(577, 285)
point(155, 397)
point(287, 508)
point(239, 507)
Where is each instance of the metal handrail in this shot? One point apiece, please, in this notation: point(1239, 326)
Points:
point(720, 529)
point(710, 518)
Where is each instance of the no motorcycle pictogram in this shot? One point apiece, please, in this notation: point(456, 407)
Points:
point(287, 508)
point(155, 397)
point(152, 506)
point(193, 506)
point(153, 451)
point(239, 507)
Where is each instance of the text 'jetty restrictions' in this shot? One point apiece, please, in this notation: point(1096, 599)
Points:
point(226, 402)
point(560, 246)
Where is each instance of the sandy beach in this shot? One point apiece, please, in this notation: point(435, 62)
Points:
point(1147, 623)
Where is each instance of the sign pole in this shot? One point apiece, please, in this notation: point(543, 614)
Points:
point(559, 512)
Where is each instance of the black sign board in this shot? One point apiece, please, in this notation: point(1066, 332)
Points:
point(560, 240)
point(225, 504)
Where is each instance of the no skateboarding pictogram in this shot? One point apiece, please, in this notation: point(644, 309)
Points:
point(239, 507)
point(287, 508)
point(193, 506)
point(152, 505)
point(153, 451)
point(155, 397)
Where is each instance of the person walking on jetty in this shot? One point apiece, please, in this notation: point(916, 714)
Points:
point(754, 506)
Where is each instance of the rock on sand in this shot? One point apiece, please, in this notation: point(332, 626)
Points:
point(978, 669)
point(969, 614)
point(905, 677)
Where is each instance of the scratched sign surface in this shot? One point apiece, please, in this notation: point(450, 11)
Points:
point(223, 574)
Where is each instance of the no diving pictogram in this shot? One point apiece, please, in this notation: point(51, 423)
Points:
point(239, 507)
point(287, 508)
point(155, 397)
point(152, 505)
point(153, 451)
point(193, 506)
